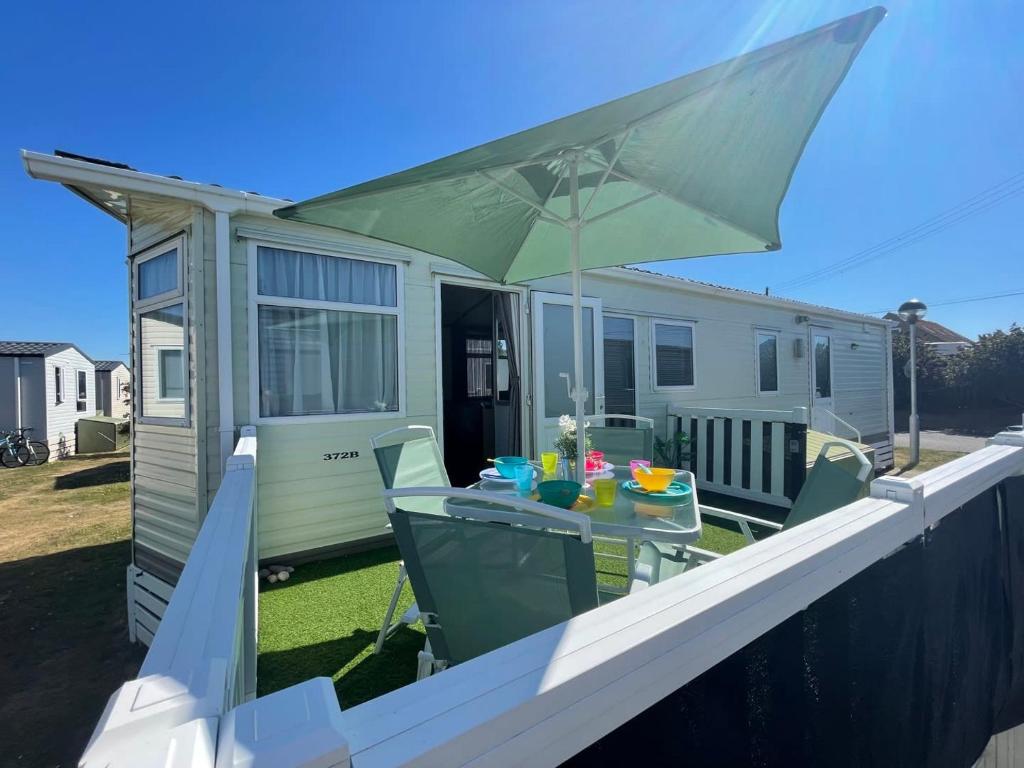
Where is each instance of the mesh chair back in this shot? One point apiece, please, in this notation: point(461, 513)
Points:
point(415, 463)
point(622, 444)
point(488, 584)
point(829, 486)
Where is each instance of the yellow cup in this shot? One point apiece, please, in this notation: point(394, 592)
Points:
point(549, 460)
point(604, 490)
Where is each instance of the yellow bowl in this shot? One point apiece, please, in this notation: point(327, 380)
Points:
point(657, 480)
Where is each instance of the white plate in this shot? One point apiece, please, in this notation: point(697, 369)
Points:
point(492, 473)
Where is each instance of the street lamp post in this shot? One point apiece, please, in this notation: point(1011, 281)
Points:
point(910, 312)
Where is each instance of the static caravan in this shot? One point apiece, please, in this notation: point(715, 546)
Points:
point(112, 379)
point(46, 387)
point(322, 339)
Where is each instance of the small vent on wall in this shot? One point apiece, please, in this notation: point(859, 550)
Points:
point(798, 348)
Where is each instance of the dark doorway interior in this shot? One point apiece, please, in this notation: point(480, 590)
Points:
point(480, 383)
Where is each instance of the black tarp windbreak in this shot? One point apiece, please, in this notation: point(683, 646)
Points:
point(915, 661)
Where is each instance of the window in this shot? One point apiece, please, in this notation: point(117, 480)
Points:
point(83, 394)
point(159, 310)
point(479, 358)
point(673, 354)
point(327, 334)
point(170, 374)
point(558, 359)
point(58, 385)
point(822, 366)
point(767, 371)
point(161, 345)
point(158, 275)
point(619, 368)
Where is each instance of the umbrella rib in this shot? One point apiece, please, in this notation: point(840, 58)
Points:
point(619, 208)
point(693, 207)
point(615, 158)
point(544, 213)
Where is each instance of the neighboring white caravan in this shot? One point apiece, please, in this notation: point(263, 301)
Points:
point(112, 380)
point(46, 387)
point(322, 339)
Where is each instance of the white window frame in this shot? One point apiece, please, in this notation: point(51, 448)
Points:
point(178, 244)
point(161, 301)
point(255, 300)
point(655, 322)
point(830, 332)
point(636, 354)
point(58, 384)
point(79, 397)
point(160, 370)
point(777, 335)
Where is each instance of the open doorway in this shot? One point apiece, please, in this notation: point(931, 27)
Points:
point(479, 379)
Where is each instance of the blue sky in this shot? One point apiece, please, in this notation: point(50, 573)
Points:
point(298, 99)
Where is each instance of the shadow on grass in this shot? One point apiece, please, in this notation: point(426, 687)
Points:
point(323, 622)
point(370, 677)
point(66, 649)
point(114, 472)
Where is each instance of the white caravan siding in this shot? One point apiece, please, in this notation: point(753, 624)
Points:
point(62, 417)
point(109, 395)
point(304, 502)
point(725, 355)
point(165, 475)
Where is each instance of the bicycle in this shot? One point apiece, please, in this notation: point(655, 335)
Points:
point(16, 450)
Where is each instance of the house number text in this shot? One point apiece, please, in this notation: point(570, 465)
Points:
point(341, 455)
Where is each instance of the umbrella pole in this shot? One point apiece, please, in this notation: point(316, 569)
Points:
point(580, 391)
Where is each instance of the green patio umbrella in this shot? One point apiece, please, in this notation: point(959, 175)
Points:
point(693, 167)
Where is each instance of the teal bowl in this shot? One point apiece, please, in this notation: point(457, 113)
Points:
point(559, 493)
point(506, 465)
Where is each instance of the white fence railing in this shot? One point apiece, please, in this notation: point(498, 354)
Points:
point(544, 698)
point(202, 659)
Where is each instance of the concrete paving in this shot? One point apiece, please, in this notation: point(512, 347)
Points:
point(942, 441)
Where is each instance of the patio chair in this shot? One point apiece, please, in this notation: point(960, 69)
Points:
point(621, 444)
point(490, 570)
point(408, 457)
point(829, 486)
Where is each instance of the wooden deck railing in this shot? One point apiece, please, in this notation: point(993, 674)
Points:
point(545, 698)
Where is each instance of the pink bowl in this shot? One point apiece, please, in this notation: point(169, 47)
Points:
point(637, 463)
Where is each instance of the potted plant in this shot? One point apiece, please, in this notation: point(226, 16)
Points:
point(673, 451)
point(565, 443)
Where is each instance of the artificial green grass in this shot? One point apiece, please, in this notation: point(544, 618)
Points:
point(324, 620)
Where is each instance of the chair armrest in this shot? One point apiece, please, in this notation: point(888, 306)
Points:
point(744, 521)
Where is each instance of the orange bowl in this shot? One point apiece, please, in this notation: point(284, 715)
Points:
point(658, 479)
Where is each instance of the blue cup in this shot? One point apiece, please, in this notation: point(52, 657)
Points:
point(524, 478)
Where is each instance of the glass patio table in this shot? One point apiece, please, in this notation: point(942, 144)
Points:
point(633, 518)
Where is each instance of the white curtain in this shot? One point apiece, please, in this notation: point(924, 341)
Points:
point(317, 361)
point(159, 274)
point(298, 275)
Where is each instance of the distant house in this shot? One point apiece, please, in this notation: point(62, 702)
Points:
point(48, 387)
point(942, 340)
point(112, 378)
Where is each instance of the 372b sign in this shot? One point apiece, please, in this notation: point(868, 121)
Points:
point(340, 455)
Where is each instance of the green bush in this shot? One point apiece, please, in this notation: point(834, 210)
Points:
point(990, 374)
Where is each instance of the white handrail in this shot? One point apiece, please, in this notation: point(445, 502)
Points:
point(793, 416)
point(542, 699)
point(202, 661)
point(848, 425)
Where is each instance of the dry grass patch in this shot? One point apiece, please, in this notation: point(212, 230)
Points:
point(929, 460)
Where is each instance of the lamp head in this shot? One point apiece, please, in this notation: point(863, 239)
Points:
point(912, 311)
